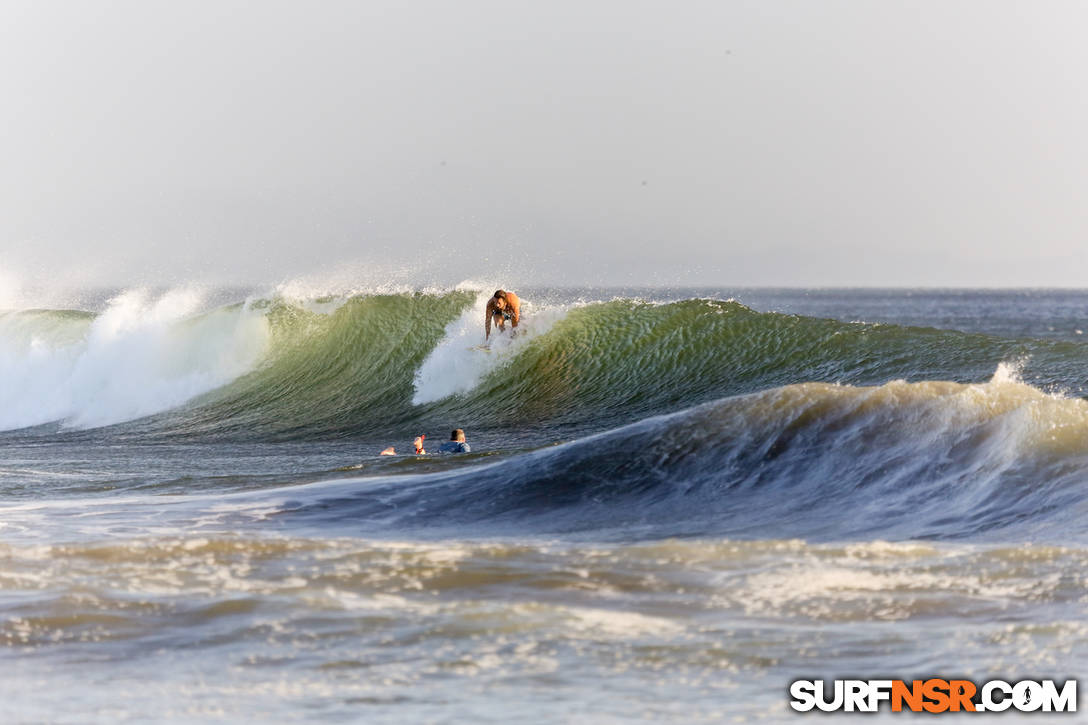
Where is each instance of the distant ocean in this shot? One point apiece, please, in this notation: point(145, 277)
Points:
point(677, 502)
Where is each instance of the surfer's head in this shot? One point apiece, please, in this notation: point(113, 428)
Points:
point(457, 435)
point(500, 298)
point(418, 443)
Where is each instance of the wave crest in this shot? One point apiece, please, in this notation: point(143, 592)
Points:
point(813, 460)
point(273, 369)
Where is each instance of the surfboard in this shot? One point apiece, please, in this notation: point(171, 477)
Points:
point(481, 348)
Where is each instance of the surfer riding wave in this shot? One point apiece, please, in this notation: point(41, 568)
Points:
point(501, 307)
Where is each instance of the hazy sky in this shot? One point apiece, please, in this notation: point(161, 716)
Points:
point(759, 143)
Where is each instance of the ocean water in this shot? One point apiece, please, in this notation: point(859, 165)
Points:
point(678, 501)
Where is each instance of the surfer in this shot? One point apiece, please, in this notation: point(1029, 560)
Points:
point(456, 443)
point(501, 307)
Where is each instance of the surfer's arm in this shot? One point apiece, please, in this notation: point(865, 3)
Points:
point(515, 308)
point(487, 321)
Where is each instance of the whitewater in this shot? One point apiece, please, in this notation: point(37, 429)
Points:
point(677, 500)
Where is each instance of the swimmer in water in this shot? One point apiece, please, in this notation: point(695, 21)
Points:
point(456, 443)
point(417, 444)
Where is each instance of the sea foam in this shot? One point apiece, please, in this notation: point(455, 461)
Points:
point(144, 354)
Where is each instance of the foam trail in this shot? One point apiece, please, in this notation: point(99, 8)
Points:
point(140, 356)
point(454, 367)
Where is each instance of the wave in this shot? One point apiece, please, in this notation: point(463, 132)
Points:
point(376, 364)
point(902, 460)
point(373, 364)
point(141, 356)
point(788, 426)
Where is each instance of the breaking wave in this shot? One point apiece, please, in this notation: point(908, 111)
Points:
point(275, 369)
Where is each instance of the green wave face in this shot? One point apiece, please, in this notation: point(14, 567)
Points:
point(329, 374)
point(621, 360)
point(377, 364)
point(351, 371)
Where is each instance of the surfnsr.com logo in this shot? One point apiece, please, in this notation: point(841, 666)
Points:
point(934, 695)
